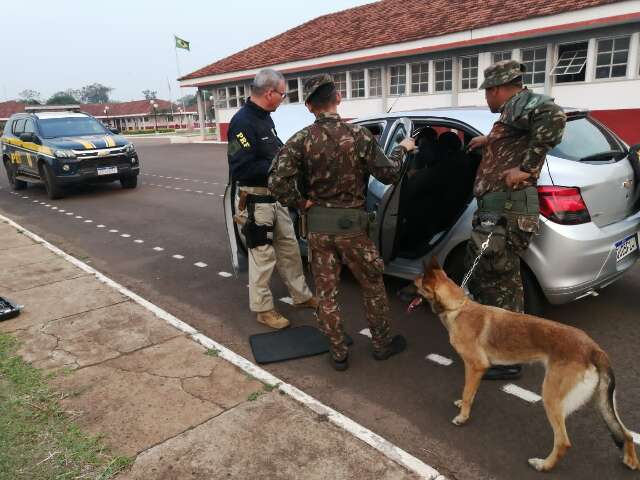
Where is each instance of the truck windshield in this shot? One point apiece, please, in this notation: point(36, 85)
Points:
point(70, 127)
point(585, 140)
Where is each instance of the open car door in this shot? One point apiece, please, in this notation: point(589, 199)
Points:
point(389, 195)
point(236, 242)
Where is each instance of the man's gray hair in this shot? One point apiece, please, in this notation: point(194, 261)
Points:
point(265, 80)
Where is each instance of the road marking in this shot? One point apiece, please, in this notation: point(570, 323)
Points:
point(200, 264)
point(88, 221)
point(158, 249)
point(636, 437)
point(54, 208)
point(125, 235)
point(187, 190)
point(35, 201)
point(177, 188)
point(198, 191)
point(178, 257)
point(222, 195)
point(100, 226)
point(210, 193)
point(47, 205)
point(113, 231)
point(79, 216)
point(139, 241)
point(69, 213)
point(366, 332)
point(225, 274)
point(439, 359)
point(522, 393)
point(391, 451)
point(287, 300)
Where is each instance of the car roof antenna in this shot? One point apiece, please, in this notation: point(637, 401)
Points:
point(393, 104)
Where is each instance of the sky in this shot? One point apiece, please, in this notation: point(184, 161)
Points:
point(51, 46)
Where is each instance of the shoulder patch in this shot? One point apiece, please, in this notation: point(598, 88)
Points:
point(243, 140)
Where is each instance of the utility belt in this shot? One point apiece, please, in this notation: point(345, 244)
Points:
point(255, 235)
point(337, 221)
point(518, 202)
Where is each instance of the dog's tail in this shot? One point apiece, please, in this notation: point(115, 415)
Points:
point(607, 405)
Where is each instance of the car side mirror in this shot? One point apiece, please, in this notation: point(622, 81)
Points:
point(29, 137)
point(115, 130)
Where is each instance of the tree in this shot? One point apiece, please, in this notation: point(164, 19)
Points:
point(66, 97)
point(95, 93)
point(150, 94)
point(30, 97)
point(188, 100)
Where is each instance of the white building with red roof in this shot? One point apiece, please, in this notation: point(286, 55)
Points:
point(414, 54)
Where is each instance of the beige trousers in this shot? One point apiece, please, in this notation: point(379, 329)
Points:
point(283, 254)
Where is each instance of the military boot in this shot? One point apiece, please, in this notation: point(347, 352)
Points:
point(273, 319)
point(313, 303)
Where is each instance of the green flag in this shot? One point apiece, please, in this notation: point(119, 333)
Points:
point(180, 43)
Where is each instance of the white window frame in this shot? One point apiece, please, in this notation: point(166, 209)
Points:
point(399, 76)
point(221, 102)
point(469, 69)
point(501, 53)
point(444, 80)
point(576, 60)
point(610, 65)
point(289, 90)
point(379, 87)
point(232, 95)
point(242, 99)
point(362, 84)
point(421, 84)
point(344, 92)
point(533, 72)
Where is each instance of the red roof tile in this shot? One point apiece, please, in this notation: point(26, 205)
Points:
point(384, 23)
point(136, 107)
point(9, 108)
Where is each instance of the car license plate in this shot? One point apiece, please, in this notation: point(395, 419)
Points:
point(107, 170)
point(626, 247)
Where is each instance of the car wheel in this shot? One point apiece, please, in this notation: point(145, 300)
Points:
point(129, 182)
point(11, 175)
point(534, 300)
point(54, 190)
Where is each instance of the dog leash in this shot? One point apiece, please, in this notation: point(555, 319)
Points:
point(483, 247)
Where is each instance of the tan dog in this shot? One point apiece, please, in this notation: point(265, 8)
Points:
point(575, 365)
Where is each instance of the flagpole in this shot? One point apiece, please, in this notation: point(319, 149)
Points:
point(175, 47)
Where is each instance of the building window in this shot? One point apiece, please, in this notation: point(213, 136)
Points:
point(241, 98)
point(340, 80)
point(375, 82)
point(398, 80)
point(612, 57)
point(420, 77)
point(444, 68)
point(535, 60)
point(499, 56)
point(292, 90)
point(233, 97)
point(357, 84)
point(572, 59)
point(469, 72)
point(221, 98)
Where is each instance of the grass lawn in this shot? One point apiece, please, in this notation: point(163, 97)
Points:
point(38, 439)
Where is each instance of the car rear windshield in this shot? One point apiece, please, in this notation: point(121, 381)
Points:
point(70, 127)
point(586, 140)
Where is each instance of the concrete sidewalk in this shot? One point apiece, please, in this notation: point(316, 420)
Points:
point(180, 409)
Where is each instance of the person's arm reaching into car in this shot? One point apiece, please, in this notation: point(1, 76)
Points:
point(385, 169)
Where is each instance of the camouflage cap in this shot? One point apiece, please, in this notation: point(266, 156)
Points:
point(502, 72)
point(314, 83)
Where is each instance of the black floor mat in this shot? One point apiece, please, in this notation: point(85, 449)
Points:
point(289, 344)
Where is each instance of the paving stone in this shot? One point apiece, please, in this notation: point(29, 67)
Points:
point(16, 256)
point(61, 299)
point(23, 277)
point(273, 438)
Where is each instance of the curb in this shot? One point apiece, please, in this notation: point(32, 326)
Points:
point(374, 440)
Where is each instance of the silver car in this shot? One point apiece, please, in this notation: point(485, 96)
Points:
point(589, 204)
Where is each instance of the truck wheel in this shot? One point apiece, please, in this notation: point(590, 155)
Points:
point(11, 175)
point(54, 190)
point(129, 182)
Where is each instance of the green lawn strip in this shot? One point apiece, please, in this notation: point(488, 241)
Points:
point(38, 440)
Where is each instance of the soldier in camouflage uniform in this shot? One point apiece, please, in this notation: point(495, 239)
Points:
point(505, 187)
point(323, 170)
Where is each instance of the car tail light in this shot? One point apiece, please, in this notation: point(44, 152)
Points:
point(563, 205)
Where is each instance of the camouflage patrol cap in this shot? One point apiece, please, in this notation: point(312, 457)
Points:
point(502, 72)
point(314, 83)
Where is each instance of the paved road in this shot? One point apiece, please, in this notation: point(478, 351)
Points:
point(166, 241)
